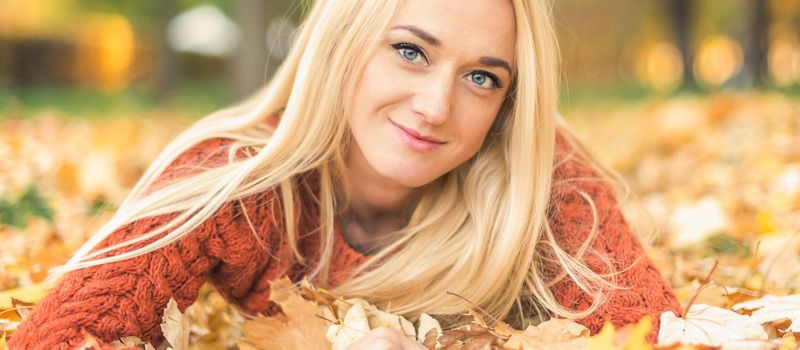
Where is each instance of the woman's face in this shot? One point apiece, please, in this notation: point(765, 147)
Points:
point(428, 96)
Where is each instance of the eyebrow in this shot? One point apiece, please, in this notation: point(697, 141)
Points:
point(430, 39)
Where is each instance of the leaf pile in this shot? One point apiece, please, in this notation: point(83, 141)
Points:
point(718, 177)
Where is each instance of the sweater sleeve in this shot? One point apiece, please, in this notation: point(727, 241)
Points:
point(645, 290)
point(128, 298)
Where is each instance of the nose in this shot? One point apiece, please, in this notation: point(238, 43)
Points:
point(433, 99)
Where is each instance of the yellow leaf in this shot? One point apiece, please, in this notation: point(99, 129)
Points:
point(603, 340)
point(31, 294)
point(788, 342)
point(2, 340)
point(766, 222)
point(636, 336)
point(630, 337)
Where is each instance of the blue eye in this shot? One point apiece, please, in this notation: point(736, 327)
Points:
point(409, 52)
point(481, 78)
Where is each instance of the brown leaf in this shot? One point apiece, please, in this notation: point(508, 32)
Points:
point(296, 327)
point(21, 308)
point(470, 337)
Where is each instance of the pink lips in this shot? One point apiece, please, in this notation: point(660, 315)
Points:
point(415, 141)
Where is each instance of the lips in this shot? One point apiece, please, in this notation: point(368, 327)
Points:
point(417, 135)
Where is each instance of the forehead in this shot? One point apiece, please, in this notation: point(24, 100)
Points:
point(481, 27)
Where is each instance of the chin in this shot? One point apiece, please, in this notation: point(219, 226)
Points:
point(407, 175)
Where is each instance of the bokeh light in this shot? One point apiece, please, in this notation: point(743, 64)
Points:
point(105, 51)
point(719, 59)
point(784, 59)
point(660, 66)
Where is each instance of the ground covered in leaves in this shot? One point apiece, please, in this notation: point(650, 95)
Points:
point(715, 192)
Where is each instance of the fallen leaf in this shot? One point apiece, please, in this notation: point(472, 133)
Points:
point(21, 308)
point(694, 222)
point(604, 339)
point(552, 334)
point(427, 324)
point(708, 325)
point(175, 326)
point(127, 342)
point(630, 337)
point(468, 337)
point(298, 326)
point(378, 318)
point(773, 308)
point(354, 326)
point(788, 342)
point(31, 294)
point(750, 345)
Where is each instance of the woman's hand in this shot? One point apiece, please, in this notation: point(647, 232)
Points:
point(385, 338)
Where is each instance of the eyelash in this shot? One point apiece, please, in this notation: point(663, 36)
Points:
point(495, 80)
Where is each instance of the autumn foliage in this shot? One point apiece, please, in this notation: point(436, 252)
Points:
point(716, 196)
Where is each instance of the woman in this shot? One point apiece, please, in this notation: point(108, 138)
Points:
point(404, 149)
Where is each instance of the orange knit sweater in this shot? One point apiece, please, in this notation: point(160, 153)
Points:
point(128, 297)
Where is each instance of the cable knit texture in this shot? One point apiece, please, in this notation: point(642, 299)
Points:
point(128, 297)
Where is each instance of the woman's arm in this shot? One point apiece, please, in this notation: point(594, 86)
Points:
point(128, 298)
point(571, 219)
point(125, 298)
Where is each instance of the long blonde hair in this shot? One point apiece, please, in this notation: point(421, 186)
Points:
point(481, 228)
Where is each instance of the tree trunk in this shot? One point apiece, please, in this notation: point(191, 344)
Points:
point(165, 80)
point(681, 23)
point(755, 46)
point(249, 62)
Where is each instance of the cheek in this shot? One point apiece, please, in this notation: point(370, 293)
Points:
point(376, 87)
point(473, 124)
point(474, 136)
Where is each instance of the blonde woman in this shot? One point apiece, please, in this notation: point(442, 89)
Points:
point(404, 149)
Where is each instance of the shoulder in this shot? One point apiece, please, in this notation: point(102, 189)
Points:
point(581, 190)
point(203, 155)
point(574, 169)
point(571, 158)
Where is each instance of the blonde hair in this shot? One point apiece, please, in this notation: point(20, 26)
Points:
point(482, 227)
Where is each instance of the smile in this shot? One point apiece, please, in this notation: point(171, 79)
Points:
point(414, 140)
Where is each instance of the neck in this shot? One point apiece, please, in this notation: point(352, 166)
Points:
point(377, 206)
point(372, 196)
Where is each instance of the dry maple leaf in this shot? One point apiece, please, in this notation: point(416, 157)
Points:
point(556, 334)
point(468, 337)
point(21, 308)
point(379, 318)
point(708, 325)
point(354, 326)
point(774, 308)
point(427, 324)
point(298, 326)
point(129, 342)
point(175, 326)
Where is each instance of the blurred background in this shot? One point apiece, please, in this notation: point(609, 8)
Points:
point(92, 57)
point(696, 103)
